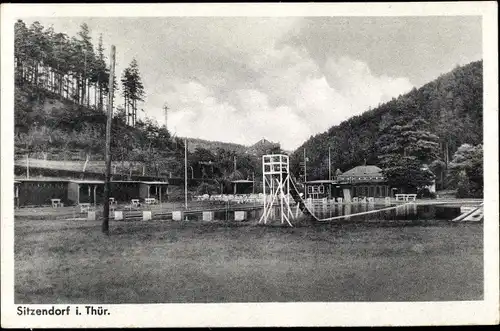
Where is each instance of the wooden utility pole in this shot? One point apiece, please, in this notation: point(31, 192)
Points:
point(185, 175)
point(253, 182)
point(27, 166)
point(329, 165)
point(105, 221)
point(165, 112)
point(447, 155)
point(305, 174)
point(305, 166)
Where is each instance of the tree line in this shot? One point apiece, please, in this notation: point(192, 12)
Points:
point(72, 67)
point(69, 66)
point(61, 92)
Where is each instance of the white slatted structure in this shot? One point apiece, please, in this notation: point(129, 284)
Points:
point(276, 187)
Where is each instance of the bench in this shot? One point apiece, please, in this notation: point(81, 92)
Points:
point(56, 203)
point(401, 197)
point(405, 197)
point(135, 203)
point(150, 201)
point(411, 196)
point(84, 207)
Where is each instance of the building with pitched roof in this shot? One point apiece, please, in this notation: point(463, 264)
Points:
point(360, 181)
point(364, 181)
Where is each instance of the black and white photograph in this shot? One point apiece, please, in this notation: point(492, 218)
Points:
point(249, 165)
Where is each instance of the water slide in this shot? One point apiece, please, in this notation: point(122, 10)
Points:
point(294, 192)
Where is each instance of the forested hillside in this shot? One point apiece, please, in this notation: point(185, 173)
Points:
point(452, 106)
point(49, 127)
point(61, 87)
point(196, 143)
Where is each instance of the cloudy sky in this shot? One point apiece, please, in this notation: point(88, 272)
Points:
point(241, 79)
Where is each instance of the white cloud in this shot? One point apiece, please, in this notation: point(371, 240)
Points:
point(355, 81)
point(241, 85)
point(306, 100)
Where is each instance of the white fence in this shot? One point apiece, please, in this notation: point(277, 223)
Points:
point(232, 198)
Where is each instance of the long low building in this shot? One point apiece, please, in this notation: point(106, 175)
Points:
point(40, 191)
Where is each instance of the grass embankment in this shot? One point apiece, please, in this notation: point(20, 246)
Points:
point(187, 262)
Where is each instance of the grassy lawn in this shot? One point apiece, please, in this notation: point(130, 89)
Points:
point(187, 262)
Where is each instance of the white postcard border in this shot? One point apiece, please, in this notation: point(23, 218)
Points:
point(264, 314)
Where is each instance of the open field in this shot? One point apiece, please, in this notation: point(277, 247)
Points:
point(59, 261)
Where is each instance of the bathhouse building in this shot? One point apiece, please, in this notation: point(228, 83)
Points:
point(363, 181)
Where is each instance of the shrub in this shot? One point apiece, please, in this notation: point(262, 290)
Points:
point(425, 193)
point(206, 188)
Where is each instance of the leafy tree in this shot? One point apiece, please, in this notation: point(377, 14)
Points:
point(465, 171)
point(100, 74)
point(438, 167)
point(21, 49)
point(133, 91)
point(406, 149)
point(203, 162)
point(86, 61)
point(463, 185)
point(67, 66)
point(60, 61)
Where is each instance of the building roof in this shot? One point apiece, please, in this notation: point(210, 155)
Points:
point(236, 175)
point(87, 181)
point(368, 170)
point(362, 174)
point(41, 179)
point(321, 181)
point(241, 181)
point(95, 167)
point(92, 166)
point(84, 181)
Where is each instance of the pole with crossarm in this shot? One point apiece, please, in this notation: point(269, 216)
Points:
point(105, 222)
